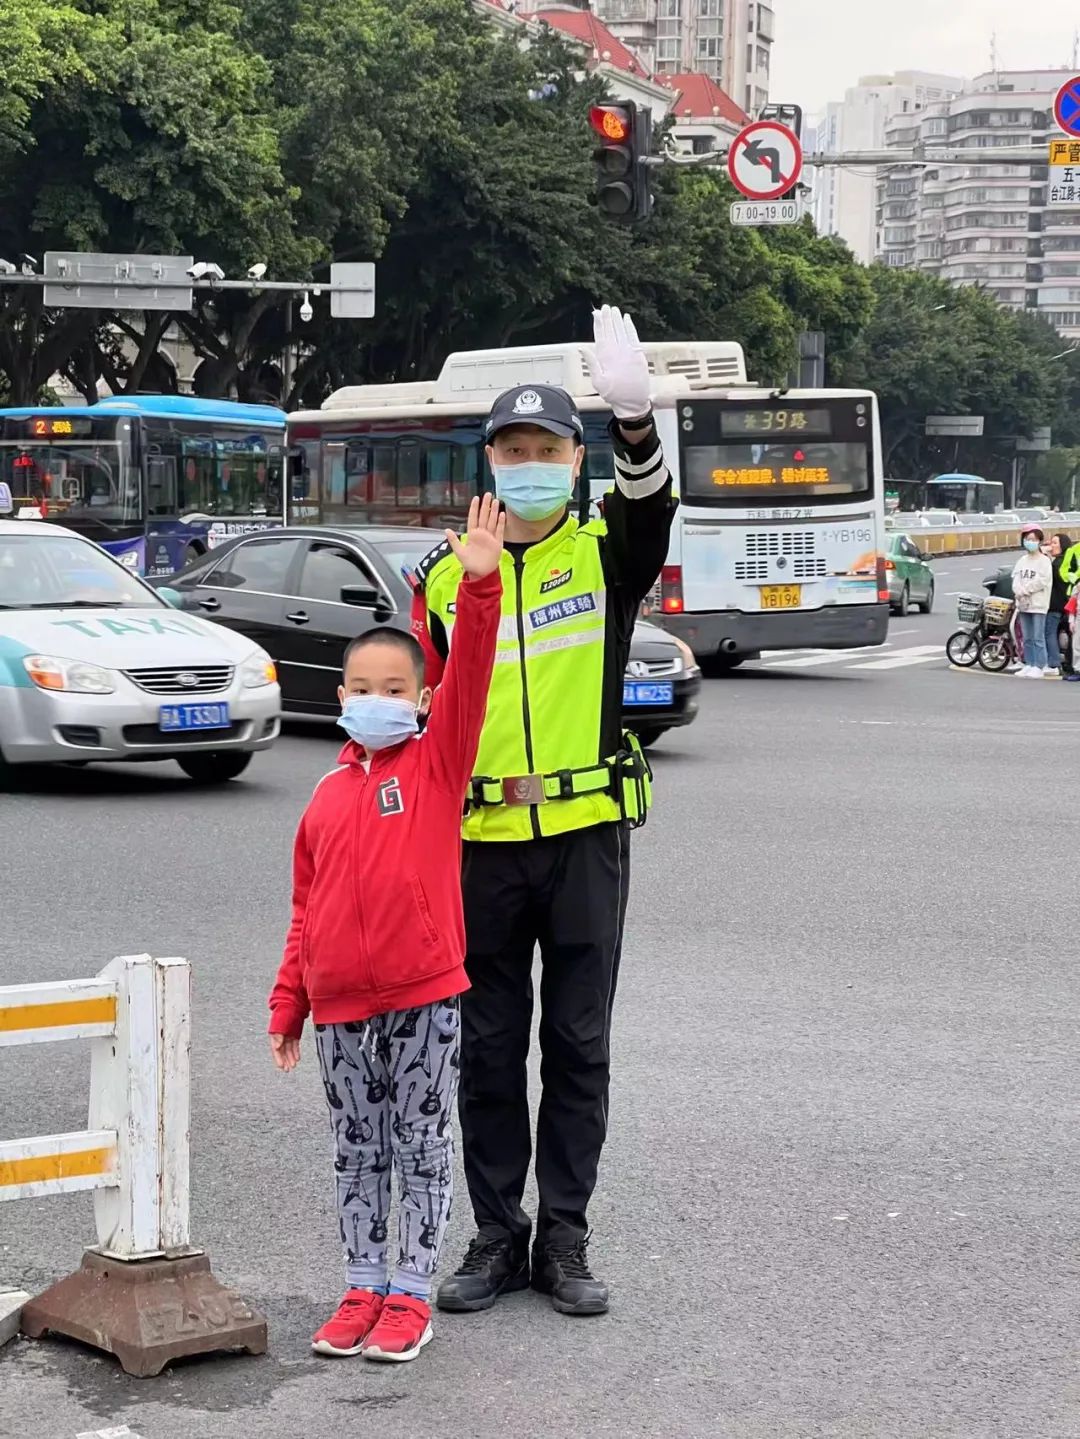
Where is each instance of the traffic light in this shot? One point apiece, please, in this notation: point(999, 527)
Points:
point(622, 175)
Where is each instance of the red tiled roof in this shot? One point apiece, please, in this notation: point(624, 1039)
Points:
point(700, 96)
point(583, 25)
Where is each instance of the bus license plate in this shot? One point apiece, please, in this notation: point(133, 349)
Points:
point(178, 717)
point(781, 597)
point(636, 693)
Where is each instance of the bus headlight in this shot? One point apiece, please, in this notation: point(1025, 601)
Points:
point(259, 670)
point(74, 676)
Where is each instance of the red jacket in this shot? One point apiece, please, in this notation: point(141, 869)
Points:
point(377, 921)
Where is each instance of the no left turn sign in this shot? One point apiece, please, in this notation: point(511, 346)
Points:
point(765, 160)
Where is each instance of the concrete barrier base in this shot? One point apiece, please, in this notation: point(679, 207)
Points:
point(11, 1306)
point(147, 1312)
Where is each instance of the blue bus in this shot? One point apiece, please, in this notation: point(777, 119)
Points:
point(157, 480)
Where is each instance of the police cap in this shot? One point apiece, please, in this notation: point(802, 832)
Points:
point(545, 405)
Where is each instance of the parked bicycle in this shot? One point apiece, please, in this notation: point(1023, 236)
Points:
point(989, 636)
point(1002, 645)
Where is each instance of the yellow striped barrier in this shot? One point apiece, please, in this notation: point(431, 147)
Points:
point(959, 539)
point(134, 1156)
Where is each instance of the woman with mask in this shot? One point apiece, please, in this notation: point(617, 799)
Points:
point(1056, 550)
point(1032, 582)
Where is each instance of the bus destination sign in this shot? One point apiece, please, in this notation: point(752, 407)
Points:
point(770, 475)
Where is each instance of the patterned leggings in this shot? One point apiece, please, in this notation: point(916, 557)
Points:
point(390, 1083)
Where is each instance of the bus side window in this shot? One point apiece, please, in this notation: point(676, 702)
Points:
point(409, 489)
point(161, 484)
point(438, 481)
point(470, 473)
point(336, 460)
point(299, 475)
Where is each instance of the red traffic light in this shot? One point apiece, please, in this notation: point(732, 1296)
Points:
point(611, 123)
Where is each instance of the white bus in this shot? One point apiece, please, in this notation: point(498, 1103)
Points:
point(778, 541)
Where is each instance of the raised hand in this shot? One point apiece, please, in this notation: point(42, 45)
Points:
point(481, 549)
point(617, 364)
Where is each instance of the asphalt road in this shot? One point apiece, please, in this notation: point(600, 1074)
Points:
point(840, 1194)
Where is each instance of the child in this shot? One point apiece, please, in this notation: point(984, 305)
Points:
point(375, 949)
point(1071, 606)
point(1032, 580)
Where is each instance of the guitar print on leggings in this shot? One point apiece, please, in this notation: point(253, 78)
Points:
point(390, 1085)
point(432, 1100)
point(358, 1127)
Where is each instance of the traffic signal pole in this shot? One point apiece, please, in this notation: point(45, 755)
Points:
point(917, 155)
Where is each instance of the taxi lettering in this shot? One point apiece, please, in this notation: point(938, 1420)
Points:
point(144, 625)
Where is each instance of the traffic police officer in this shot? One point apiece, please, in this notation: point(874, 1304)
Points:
point(556, 788)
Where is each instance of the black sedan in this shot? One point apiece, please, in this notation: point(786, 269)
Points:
point(303, 593)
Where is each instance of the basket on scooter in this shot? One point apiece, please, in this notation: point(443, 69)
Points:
point(968, 608)
point(997, 613)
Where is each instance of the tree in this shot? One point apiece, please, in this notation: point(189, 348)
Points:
point(931, 349)
point(158, 141)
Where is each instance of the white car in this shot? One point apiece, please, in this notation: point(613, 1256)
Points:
point(95, 665)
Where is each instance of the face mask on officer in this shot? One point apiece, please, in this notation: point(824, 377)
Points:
point(382, 695)
point(534, 470)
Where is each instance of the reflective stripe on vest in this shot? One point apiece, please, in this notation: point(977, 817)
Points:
point(546, 695)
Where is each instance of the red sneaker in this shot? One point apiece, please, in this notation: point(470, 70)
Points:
point(403, 1329)
point(356, 1317)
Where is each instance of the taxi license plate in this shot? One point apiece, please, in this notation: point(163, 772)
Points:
point(781, 597)
point(185, 717)
point(634, 692)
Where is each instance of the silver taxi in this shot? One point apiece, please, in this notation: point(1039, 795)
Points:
point(95, 665)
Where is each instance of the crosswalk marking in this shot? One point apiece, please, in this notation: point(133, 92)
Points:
point(913, 655)
point(818, 657)
point(878, 657)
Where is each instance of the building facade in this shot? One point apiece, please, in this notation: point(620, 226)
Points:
point(845, 199)
point(986, 224)
point(730, 41)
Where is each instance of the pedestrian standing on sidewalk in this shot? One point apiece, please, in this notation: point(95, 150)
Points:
point(1032, 580)
point(376, 948)
point(557, 786)
point(1057, 659)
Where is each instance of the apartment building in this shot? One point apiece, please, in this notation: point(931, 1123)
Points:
point(845, 200)
point(730, 41)
point(986, 224)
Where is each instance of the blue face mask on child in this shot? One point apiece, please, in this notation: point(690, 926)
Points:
point(1031, 546)
point(378, 721)
point(534, 490)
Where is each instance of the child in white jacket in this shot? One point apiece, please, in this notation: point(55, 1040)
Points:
point(1032, 580)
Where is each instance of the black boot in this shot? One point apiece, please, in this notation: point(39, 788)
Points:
point(562, 1270)
point(493, 1265)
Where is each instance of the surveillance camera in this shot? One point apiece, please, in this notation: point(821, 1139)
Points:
point(257, 271)
point(204, 270)
point(28, 264)
point(306, 312)
point(7, 268)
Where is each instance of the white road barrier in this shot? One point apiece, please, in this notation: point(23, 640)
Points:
point(143, 1292)
point(134, 1150)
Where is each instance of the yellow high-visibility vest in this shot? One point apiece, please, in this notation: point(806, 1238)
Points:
point(546, 698)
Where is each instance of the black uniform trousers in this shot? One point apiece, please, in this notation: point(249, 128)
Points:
point(568, 894)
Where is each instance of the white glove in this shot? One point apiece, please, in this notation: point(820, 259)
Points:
point(617, 365)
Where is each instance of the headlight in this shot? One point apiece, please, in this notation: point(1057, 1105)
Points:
point(259, 670)
point(688, 658)
point(75, 676)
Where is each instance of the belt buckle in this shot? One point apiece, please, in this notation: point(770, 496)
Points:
point(521, 789)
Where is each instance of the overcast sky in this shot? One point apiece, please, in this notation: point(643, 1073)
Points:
point(823, 46)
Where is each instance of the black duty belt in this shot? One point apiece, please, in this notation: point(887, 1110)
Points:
point(523, 789)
